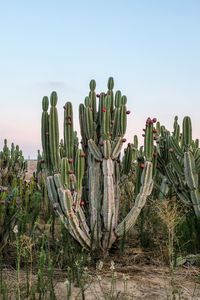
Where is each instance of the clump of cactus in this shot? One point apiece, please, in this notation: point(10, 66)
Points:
point(12, 172)
point(179, 163)
point(12, 164)
point(84, 184)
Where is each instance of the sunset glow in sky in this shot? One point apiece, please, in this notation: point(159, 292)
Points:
point(150, 47)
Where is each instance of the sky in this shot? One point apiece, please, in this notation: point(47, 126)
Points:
point(150, 47)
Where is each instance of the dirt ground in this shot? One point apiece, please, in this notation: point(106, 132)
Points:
point(146, 282)
point(143, 282)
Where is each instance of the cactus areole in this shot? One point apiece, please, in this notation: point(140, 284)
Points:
point(84, 184)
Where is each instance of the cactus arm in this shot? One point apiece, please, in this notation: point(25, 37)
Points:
point(54, 133)
point(80, 235)
point(94, 150)
point(191, 177)
point(116, 148)
point(45, 133)
point(187, 132)
point(68, 130)
point(108, 207)
point(145, 191)
point(94, 173)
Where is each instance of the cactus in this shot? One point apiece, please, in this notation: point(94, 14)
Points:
point(12, 164)
point(12, 173)
point(84, 186)
point(179, 162)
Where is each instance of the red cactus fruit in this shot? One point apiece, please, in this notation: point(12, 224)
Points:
point(128, 112)
point(143, 135)
point(142, 165)
point(103, 109)
point(154, 120)
point(82, 203)
point(155, 131)
point(70, 160)
point(124, 140)
point(97, 95)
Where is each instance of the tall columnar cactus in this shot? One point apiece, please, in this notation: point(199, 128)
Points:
point(179, 162)
point(45, 133)
point(85, 184)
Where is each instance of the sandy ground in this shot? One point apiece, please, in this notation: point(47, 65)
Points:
point(145, 282)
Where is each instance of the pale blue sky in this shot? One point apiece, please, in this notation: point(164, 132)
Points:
point(151, 48)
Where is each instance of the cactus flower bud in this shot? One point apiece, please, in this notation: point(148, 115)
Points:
point(82, 154)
